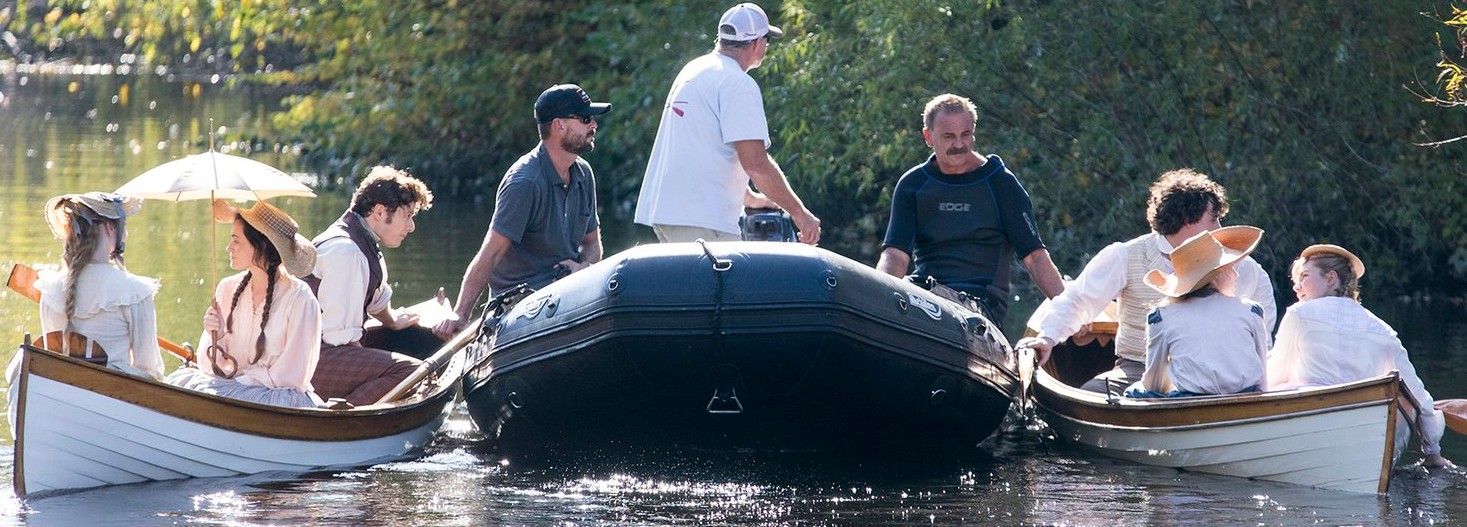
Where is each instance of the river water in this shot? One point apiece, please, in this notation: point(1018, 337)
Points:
point(74, 133)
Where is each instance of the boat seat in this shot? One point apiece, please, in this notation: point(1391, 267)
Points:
point(74, 345)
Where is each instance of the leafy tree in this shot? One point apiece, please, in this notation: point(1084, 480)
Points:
point(1295, 106)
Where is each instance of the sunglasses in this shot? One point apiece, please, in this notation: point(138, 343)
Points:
point(584, 119)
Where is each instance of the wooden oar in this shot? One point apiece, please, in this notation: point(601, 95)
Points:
point(1455, 411)
point(495, 308)
point(23, 280)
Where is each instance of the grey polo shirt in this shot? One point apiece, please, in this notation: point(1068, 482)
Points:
point(545, 218)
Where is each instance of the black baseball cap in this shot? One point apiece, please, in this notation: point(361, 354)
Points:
point(564, 100)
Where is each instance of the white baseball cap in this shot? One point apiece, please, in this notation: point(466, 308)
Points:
point(745, 22)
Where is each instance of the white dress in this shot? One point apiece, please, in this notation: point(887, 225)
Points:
point(281, 377)
point(114, 308)
point(1334, 340)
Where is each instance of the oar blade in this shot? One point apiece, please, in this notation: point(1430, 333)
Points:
point(1455, 411)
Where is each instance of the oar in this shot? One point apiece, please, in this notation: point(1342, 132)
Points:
point(495, 308)
point(23, 280)
point(1456, 412)
point(1027, 363)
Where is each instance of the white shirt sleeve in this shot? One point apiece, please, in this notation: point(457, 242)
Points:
point(1086, 296)
point(144, 330)
point(343, 290)
point(1431, 424)
point(741, 111)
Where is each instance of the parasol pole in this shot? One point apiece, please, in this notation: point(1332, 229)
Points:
point(213, 234)
point(213, 229)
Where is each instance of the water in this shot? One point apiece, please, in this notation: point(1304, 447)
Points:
point(78, 133)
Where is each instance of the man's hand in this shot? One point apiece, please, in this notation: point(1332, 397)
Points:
point(401, 320)
point(1437, 461)
point(572, 266)
point(1042, 347)
point(808, 225)
point(448, 328)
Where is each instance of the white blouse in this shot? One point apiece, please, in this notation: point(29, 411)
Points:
point(1334, 340)
point(1214, 344)
point(292, 336)
point(114, 308)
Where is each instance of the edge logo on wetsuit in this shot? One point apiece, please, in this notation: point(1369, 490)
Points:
point(963, 229)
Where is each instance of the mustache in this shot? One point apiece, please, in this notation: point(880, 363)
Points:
point(957, 151)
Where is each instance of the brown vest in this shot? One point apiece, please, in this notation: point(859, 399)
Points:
point(350, 226)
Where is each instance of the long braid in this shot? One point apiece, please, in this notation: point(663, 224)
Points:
point(274, 274)
point(80, 245)
point(229, 322)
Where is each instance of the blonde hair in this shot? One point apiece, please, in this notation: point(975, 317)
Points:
point(1349, 284)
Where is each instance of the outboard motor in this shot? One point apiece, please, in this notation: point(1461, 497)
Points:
point(770, 225)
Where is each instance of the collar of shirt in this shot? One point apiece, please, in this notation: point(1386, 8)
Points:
point(547, 169)
point(367, 227)
point(1164, 246)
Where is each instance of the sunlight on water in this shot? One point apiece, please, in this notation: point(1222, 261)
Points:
point(65, 134)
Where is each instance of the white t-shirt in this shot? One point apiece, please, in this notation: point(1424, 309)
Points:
point(694, 177)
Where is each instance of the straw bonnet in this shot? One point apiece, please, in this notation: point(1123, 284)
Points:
point(296, 252)
point(1325, 248)
point(1199, 259)
point(104, 204)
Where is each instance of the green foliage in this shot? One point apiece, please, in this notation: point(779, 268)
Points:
point(1296, 107)
point(196, 35)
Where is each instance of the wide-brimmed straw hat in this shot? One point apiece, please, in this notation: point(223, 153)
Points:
point(1326, 248)
point(1199, 259)
point(296, 252)
point(104, 204)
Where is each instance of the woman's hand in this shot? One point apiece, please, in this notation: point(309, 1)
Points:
point(212, 320)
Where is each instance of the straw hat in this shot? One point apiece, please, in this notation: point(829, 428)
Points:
point(104, 204)
point(296, 252)
point(1199, 259)
point(1325, 248)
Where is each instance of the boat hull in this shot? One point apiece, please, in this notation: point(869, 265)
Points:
point(1342, 437)
point(788, 348)
point(78, 425)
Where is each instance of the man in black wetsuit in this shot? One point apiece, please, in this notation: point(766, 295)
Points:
point(960, 217)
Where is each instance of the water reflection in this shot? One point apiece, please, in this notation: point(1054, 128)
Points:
point(69, 134)
point(1022, 480)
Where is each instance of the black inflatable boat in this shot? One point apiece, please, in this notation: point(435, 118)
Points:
point(740, 346)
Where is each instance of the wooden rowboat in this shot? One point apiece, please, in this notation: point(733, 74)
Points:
point(1343, 437)
point(79, 425)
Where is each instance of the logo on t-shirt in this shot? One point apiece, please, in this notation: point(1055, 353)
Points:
point(954, 207)
point(673, 106)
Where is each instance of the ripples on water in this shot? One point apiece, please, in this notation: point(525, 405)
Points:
point(61, 135)
point(1020, 478)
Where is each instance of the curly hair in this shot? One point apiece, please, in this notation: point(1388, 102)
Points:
point(392, 188)
point(1181, 197)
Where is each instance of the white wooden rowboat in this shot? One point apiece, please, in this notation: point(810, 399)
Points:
point(80, 425)
point(1343, 437)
